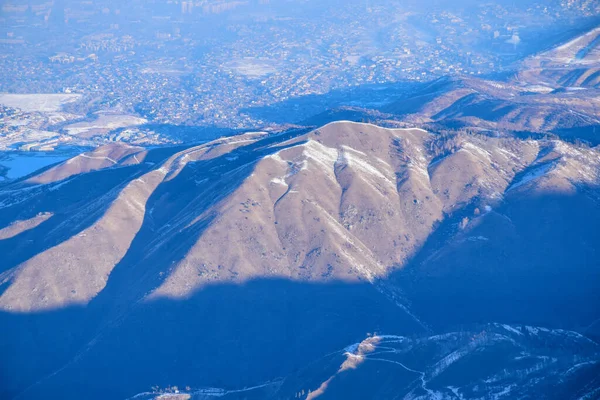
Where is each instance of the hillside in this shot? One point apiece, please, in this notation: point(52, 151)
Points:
point(239, 261)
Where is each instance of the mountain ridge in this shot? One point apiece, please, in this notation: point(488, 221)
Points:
point(264, 226)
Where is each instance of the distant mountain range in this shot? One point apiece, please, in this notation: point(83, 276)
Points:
point(456, 260)
point(554, 93)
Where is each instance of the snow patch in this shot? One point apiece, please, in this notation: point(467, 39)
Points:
point(532, 175)
point(372, 125)
point(325, 157)
point(279, 181)
point(367, 169)
point(353, 150)
point(97, 158)
point(511, 329)
point(275, 157)
point(478, 238)
point(478, 150)
point(577, 366)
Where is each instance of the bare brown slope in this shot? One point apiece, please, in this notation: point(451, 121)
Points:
point(345, 202)
point(19, 226)
point(280, 249)
point(573, 64)
point(106, 156)
point(77, 269)
point(514, 106)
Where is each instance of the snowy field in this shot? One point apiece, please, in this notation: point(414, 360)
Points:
point(105, 122)
point(37, 102)
point(253, 67)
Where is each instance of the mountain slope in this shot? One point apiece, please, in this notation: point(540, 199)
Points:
point(495, 361)
point(283, 248)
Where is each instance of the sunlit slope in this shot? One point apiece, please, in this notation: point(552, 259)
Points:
point(288, 246)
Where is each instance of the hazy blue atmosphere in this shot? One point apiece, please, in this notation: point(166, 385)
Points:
point(300, 199)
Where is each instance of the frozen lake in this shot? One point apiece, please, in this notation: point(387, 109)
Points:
point(20, 164)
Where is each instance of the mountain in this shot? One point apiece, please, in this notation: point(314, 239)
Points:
point(510, 106)
point(573, 64)
point(245, 266)
point(494, 361)
point(553, 93)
